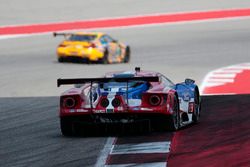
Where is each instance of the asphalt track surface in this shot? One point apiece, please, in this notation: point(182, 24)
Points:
point(29, 12)
point(30, 135)
point(220, 139)
point(29, 124)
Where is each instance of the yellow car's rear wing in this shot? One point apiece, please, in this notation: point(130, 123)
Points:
point(61, 34)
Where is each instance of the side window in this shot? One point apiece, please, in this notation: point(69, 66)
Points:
point(103, 40)
point(166, 81)
point(108, 38)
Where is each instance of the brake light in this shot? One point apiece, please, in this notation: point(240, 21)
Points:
point(62, 45)
point(92, 45)
point(154, 100)
point(191, 108)
point(70, 102)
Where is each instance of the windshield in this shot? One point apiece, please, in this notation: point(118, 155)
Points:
point(87, 38)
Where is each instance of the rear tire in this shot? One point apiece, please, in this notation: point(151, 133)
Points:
point(60, 60)
point(197, 106)
point(173, 123)
point(104, 59)
point(127, 55)
point(66, 127)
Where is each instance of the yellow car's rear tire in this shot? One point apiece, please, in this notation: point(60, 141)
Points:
point(60, 60)
point(127, 55)
point(104, 59)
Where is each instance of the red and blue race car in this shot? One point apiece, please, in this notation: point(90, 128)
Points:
point(127, 97)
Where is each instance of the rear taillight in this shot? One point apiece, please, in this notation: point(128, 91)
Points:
point(70, 102)
point(62, 45)
point(154, 100)
point(191, 107)
point(92, 45)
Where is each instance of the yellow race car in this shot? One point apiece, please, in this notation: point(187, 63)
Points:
point(91, 47)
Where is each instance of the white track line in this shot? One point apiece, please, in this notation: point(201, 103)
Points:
point(154, 147)
point(2, 37)
point(105, 152)
point(155, 164)
point(223, 75)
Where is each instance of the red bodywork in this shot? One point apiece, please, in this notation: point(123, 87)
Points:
point(75, 101)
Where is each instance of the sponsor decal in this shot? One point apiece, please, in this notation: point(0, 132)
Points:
point(99, 111)
point(186, 96)
point(146, 109)
point(81, 110)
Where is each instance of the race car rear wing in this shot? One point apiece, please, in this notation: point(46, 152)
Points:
point(61, 34)
point(103, 80)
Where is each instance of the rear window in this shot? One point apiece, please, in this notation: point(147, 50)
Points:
point(109, 85)
point(87, 38)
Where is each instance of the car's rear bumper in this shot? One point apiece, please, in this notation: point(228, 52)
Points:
point(121, 118)
point(131, 112)
point(74, 59)
point(91, 55)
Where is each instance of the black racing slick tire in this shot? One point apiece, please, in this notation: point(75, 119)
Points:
point(60, 59)
point(127, 55)
point(104, 59)
point(197, 107)
point(66, 127)
point(173, 123)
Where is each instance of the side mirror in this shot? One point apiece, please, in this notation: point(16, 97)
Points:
point(189, 81)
